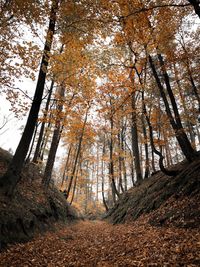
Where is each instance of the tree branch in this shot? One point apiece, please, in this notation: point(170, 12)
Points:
point(144, 9)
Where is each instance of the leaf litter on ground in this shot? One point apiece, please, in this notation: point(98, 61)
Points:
point(98, 243)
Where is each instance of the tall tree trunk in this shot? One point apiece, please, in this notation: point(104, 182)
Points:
point(131, 163)
point(123, 149)
point(47, 134)
point(120, 186)
point(161, 158)
point(190, 129)
point(9, 180)
point(75, 181)
point(77, 154)
point(66, 165)
point(134, 139)
point(176, 124)
point(97, 173)
point(32, 143)
point(45, 141)
point(103, 180)
point(167, 149)
point(111, 164)
point(55, 140)
point(146, 172)
point(41, 134)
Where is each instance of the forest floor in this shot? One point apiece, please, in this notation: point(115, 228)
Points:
point(98, 243)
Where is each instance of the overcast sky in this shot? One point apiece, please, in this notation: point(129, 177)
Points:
point(11, 133)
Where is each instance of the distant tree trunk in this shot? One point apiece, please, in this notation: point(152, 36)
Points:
point(146, 173)
point(131, 162)
point(97, 173)
point(45, 141)
point(9, 180)
point(134, 139)
point(144, 114)
point(123, 149)
point(46, 136)
point(75, 182)
point(66, 164)
point(188, 122)
point(161, 158)
point(120, 186)
point(167, 149)
point(176, 124)
point(102, 174)
point(41, 134)
point(32, 143)
point(77, 154)
point(111, 164)
point(55, 140)
point(153, 165)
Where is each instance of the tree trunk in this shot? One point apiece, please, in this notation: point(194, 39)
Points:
point(134, 138)
point(55, 140)
point(123, 149)
point(75, 182)
point(77, 155)
point(41, 134)
point(10, 179)
point(161, 158)
point(102, 174)
point(32, 143)
point(176, 124)
point(66, 165)
point(146, 172)
point(120, 186)
point(97, 174)
point(111, 165)
point(45, 140)
point(131, 163)
point(188, 122)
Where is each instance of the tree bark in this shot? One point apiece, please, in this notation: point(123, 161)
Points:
point(41, 134)
point(10, 179)
point(55, 140)
point(146, 172)
point(77, 154)
point(176, 124)
point(75, 182)
point(32, 144)
point(111, 164)
point(120, 186)
point(134, 137)
point(161, 158)
point(102, 173)
point(66, 164)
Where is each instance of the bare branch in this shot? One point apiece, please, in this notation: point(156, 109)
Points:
point(144, 9)
point(17, 88)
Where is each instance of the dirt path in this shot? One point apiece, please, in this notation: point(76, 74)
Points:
point(101, 244)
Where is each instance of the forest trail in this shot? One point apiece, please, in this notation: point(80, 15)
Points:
point(97, 243)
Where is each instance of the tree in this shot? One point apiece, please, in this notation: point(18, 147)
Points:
point(176, 123)
point(9, 180)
